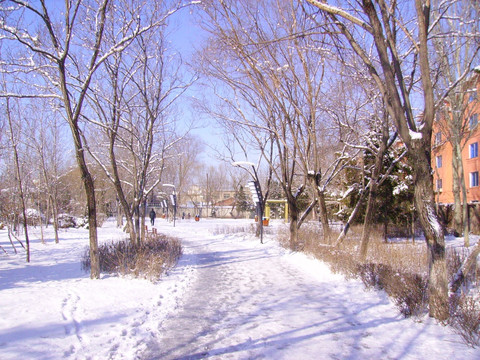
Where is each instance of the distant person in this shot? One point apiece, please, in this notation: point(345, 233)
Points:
point(153, 215)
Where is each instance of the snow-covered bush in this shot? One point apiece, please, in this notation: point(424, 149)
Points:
point(148, 260)
point(66, 221)
point(34, 217)
point(70, 221)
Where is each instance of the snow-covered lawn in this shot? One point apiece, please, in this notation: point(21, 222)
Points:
point(230, 297)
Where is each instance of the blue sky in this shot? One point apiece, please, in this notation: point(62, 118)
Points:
point(188, 37)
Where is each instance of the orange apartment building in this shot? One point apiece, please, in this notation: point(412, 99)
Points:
point(442, 153)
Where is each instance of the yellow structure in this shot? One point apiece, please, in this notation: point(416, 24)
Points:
point(267, 208)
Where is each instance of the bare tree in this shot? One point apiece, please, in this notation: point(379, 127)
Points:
point(65, 50)
point(360, 113)
point(43, 137)
point(14, 140)
point(51, 46)
point(402, 64)
point(456, 39)
point(276, 83)
point(185, 165)
point(135, 115)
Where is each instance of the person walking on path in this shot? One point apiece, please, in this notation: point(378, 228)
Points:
point(153, 215)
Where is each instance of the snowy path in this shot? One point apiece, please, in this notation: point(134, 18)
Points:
point(253, 301)
point(230, 297)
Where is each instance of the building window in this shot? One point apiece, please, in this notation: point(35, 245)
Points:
point(474, 150)
point(473, 121)
point(439, 184)
point(473, 95)
point(439, 161)
point(438, 138)
point(474, 179)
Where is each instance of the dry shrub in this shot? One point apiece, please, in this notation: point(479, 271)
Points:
point(402, 256)
point(397, 268)
point(455, 259)
point(465, 318)
point(464, 308)
point(283, 237)
point(341, 259)
point(408, 291)
point(148, 260)
point(400, 268)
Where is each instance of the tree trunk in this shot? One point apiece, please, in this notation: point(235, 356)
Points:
point(467, 265)
point(466, 222)
point(459, 186)
point(456, 177)
point(466, 229)
point(92, 217)
point(413, 226)
point(119, 190)
point(324, 216)
point(293, 231)
point(136, 220)
point(351, 219)
point(119, 214)
point(19, 179)
point(143, 210)
point(89, 188)
point(373, 187)
point(320, 194)
point(425, 205)
point(293, 215)
point(42, 235)
point(367, 224)
point(55, 218)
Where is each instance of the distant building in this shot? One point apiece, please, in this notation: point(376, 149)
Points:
point(442, 152)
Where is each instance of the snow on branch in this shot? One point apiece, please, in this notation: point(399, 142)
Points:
point(342, 13)
point(30, 96)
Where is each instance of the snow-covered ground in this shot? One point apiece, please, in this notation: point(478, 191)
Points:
point(230, 297)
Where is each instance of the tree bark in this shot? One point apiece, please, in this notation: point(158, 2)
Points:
point(367, 224)
point(467, 265)
point(466, 240)
point(460, 194)
point(92, 215)
point(425, 206)
point(293, 214)
point(327, 233)
point(119, 190)
point(457, 202)
point(320, 195)
point(351, 219)
point(19, 179)
point(374, 184)
point(55, 217)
